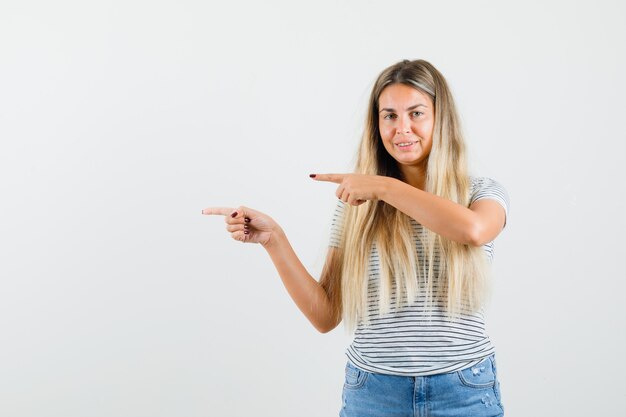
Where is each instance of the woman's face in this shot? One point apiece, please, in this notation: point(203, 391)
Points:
point(406, 118)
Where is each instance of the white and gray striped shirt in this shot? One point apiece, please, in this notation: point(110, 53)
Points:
point(413, 341)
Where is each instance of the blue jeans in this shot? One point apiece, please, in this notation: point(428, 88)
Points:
point(472, 392)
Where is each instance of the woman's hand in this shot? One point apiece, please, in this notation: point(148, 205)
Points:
point(246, 225)
point(356, 189)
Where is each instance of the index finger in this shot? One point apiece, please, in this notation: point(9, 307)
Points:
point(337, 178)
point(224, 211)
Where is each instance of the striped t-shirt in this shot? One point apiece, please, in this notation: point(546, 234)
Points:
point(409, 341)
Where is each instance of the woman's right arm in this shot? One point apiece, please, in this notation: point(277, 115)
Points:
point(306, 292)
point(251, 226)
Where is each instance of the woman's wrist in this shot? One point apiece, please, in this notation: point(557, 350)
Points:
point(387, 184)
point(276, 238)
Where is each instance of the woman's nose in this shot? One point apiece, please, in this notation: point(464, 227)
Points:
point(404, 127)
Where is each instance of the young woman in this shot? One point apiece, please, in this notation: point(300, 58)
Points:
point(408, 265)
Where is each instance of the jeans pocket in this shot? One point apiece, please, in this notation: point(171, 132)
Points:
point(481, 375)
point(355, 377)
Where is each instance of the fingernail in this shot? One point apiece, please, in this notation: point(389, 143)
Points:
point(312, 175)
point(246, 232)
point(234, 214)
point(245, 226)
point(247, 220)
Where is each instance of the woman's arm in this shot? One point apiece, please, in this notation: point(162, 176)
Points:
point(305, 291)
point(251, 226)
point(477, 225)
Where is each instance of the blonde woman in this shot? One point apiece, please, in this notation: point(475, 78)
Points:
point(408, 265)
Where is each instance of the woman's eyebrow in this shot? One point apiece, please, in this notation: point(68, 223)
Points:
point(410, 108)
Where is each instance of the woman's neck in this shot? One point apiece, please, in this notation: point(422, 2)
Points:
point(415, 176)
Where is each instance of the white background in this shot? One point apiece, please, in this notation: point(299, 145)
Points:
point(121, 120)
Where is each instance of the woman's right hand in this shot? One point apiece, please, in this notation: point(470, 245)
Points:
point(247, 225)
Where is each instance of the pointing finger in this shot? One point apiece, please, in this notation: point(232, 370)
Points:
point(223, 211)
point(337, 178)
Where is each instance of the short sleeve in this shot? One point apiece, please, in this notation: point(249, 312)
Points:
point(484, 187)
point(336, 225)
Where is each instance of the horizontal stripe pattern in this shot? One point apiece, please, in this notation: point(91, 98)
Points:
point(416, 340)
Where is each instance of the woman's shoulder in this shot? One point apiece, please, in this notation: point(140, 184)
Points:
point(480, 178)
point(481, 182)
point(487, 187)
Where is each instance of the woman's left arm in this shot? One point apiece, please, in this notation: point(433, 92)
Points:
point(476, 225)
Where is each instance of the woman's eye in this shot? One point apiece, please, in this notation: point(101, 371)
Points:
point(389, 116)
point(416, 113)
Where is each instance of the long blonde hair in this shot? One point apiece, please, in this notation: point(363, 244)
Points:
point(459, 276)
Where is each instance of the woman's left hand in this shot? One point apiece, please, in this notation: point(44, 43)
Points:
point(356, 189)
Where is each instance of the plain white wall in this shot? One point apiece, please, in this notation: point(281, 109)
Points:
point(121, 120)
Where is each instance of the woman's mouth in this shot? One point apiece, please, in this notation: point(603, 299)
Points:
point(405, 145)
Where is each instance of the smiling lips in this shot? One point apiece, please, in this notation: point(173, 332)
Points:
point(405, 145)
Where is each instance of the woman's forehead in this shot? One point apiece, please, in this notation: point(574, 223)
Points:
point(402, 95)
